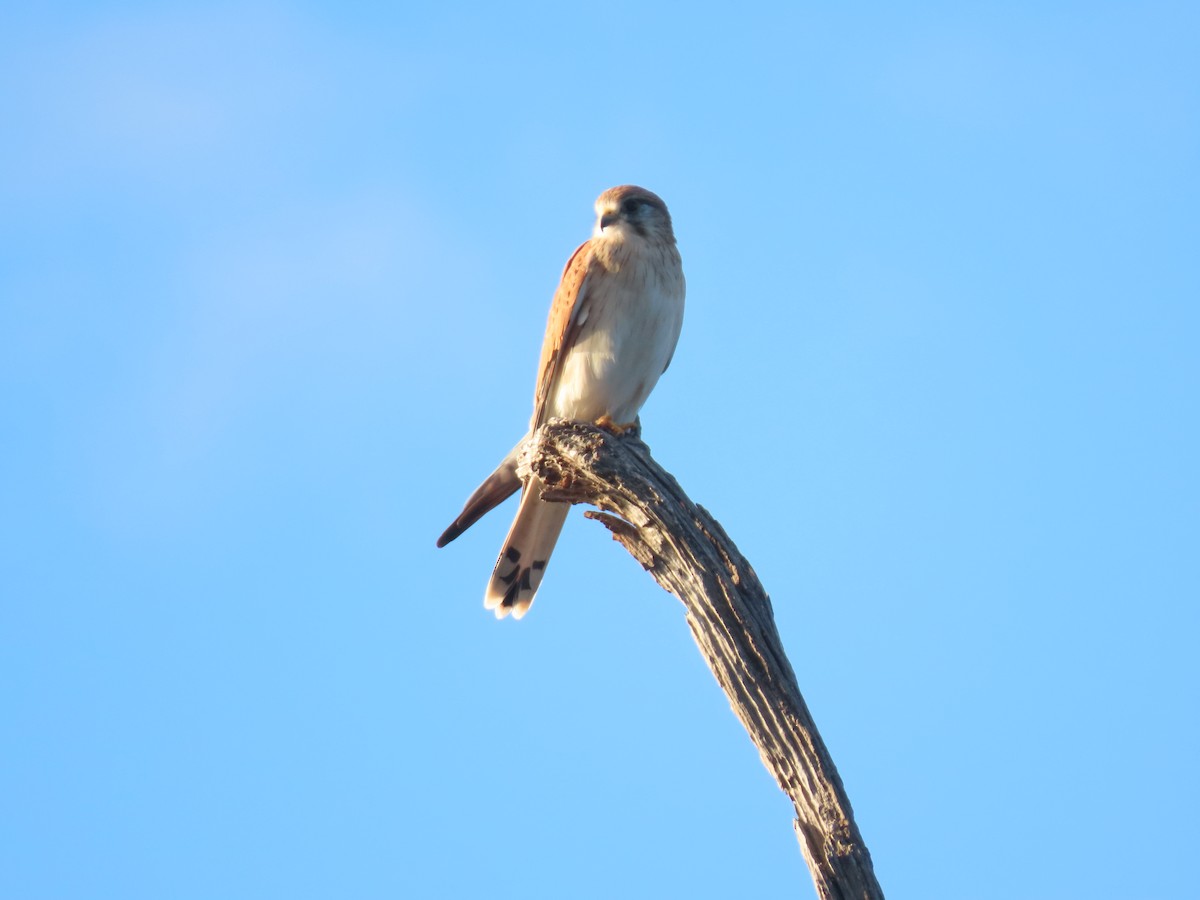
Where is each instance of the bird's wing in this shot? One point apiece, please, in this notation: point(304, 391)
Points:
point(498, 487)
point(568, 312)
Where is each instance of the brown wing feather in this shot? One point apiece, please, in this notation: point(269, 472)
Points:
point(498, 487)
point(562, 327)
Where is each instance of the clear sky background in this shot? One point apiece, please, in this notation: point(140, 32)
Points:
point(274, 278)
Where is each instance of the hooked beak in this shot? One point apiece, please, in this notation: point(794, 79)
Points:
point(609, 218)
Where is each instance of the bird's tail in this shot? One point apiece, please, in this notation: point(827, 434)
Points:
point(527, 549)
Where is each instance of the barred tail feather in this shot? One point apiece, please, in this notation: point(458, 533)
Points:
point(526, 551)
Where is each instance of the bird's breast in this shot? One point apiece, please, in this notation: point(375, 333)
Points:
point(634, 313)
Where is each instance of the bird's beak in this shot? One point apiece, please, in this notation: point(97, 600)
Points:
point(607, 219)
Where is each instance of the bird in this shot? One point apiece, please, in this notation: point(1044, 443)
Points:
point(613, 327)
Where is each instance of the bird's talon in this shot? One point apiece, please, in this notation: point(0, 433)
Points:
point(607, 424)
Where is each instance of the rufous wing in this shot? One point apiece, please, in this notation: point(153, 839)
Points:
point(568, 312)
point(496, 488)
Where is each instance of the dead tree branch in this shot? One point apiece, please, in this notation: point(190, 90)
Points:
point(731, 619)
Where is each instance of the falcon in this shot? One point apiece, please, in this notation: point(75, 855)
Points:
point(613, 326)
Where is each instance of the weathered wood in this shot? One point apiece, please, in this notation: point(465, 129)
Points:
point(731, 619)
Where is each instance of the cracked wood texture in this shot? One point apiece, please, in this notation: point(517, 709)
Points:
point(731, 619)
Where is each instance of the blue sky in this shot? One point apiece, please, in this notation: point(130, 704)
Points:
point(273, 280)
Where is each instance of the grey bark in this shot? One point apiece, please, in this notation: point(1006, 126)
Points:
point(731, 619)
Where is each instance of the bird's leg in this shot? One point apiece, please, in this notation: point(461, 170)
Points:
point(634, 428)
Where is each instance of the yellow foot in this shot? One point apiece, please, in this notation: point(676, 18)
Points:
point(608, 424)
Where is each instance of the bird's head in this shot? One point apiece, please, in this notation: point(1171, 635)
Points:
point(628, 211)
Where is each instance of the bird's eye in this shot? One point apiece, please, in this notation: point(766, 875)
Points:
point(630, 206)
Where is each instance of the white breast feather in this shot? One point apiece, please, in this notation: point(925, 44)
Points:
point(631, 327)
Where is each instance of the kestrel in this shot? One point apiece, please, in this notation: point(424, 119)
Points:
point(613, 326)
